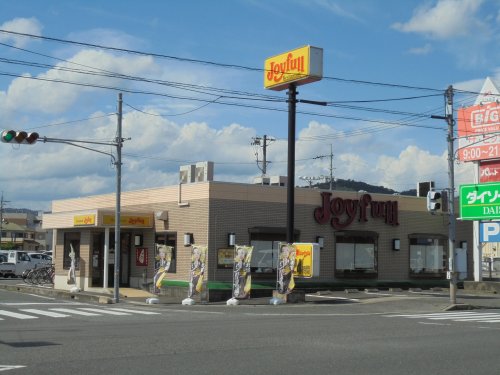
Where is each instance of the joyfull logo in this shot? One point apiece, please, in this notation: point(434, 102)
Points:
point(342, 212)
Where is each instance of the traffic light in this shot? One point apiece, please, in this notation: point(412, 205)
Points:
point(12, 136)
point(433, 201)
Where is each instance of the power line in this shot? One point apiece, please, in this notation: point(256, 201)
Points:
point(206, 62)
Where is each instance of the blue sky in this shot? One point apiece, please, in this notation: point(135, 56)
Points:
point(386, 66)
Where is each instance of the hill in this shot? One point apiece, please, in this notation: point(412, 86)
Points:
point(351, 185)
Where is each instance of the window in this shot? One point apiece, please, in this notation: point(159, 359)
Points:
point(71, 240)
point(356, 255)
point(427, 256)
point(264, 256)
point(168, 239)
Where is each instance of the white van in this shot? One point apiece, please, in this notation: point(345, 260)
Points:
point(20, 258)
point(39, 259)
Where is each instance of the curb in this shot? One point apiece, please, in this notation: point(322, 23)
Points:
point(62, 294)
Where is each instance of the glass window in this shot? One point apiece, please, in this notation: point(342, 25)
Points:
point(427, 256)
point(264, 255)
point(355, 255)
point(71, 241)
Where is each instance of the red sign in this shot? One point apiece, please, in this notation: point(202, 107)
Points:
point(477, 126)
point(141, 256)
point(342, 212)
point(489, 171)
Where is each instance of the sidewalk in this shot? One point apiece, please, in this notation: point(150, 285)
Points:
point(436, 298)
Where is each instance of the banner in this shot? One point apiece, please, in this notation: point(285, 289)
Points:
point(163, 259)
point(242, 278)
point(198, 259)
point(286, 265)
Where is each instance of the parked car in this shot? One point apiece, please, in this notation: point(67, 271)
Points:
point(38, 259)
point(19, 258)
point(6, 269)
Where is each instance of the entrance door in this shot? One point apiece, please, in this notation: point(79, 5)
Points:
point(98, 259)
point(125, 259)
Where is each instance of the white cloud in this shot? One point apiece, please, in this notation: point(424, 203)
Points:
point(336, 9)
point(412, 165)
point(447, 19)
point(424, 50)
point(43, 95)
point(20, 25)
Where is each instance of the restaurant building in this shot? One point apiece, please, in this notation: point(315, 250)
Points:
point(366, 239)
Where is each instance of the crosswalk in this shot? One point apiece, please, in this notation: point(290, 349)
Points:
point(456, 316)
point(65, 312)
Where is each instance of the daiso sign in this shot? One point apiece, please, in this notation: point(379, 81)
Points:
point(299, 66)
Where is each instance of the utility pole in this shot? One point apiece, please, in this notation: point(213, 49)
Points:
point(119, 145)
point(265, 142)
point(2, 202)
point(451, 193)
point(331, 165)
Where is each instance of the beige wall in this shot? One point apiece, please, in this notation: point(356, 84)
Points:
point(211, 210)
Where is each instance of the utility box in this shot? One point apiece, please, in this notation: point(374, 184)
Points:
point(461, 263)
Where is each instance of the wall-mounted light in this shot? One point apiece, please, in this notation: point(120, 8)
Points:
point(396, 244)
point(231, 239)
point(138, 240)
point(188, 239)
point(321, 241)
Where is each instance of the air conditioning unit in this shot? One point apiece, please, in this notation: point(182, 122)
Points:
point(204, 171)
point(186, 174)
point(278, 180)
point(263, 180)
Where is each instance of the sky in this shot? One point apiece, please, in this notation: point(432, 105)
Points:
point(192, 78)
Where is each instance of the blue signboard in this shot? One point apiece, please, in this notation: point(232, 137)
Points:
point(489, 231)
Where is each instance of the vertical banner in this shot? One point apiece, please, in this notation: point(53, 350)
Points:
point(285, 268)
point(141, 256)
point(163, 258)
point(242, 278)
point(198, 259)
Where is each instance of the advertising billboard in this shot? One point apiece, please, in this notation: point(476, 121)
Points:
point(489, 171)
point(480, 201)
point(299, 66)
point(478, 128)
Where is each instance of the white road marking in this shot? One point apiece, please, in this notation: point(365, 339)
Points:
point(17, 315)
point(45, 313)
point(75, 311)
point(104, 311)
point(136, 311)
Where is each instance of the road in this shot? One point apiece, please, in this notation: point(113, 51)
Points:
point(50, 336)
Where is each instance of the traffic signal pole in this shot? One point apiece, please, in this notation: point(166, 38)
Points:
point(452, 269)
point(119, 145)
point(22, 137)
point(451, 196)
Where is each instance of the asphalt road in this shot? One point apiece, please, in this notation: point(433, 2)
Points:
point(323, 338)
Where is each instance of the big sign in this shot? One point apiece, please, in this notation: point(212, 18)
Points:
point(299, 66)
point(480, 201)
point(478, 128)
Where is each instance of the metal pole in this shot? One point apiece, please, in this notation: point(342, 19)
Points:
point(119, 141)
point(292, 105)
point(264, 155)
point(451, 196)
point(331, 167)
